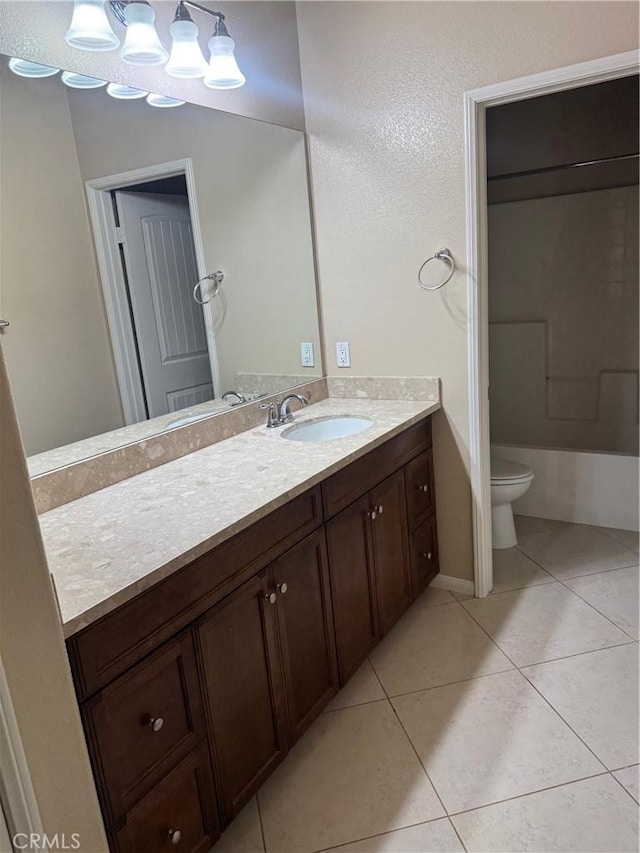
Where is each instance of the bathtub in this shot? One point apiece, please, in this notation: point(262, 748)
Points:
point(579, 486)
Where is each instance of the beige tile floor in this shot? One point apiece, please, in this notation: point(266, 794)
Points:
point(503, 724)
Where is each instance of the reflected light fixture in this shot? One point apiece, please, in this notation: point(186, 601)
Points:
point(163, 101)
point(81, 81)
point(90, 28)
point(125, 93)
point(24, 68)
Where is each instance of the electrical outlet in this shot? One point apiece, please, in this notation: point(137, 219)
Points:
point(343, 355)
point(306, 355)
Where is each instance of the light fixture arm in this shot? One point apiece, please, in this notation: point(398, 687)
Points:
point(117, 7)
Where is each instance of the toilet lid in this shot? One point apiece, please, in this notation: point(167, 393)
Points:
point(505, 469)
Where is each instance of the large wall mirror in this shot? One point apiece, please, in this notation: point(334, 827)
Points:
point(112, 211)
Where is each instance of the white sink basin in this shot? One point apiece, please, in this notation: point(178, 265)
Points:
point(327, 428)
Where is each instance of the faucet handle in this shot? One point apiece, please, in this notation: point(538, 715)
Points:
point(273, 416)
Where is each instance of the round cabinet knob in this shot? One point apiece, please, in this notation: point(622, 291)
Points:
point(175, 836)
point(380, 509)
point(424, 488)
point(427, 555)
point(271, 597)
point(283, 588)
point(155, 724)
point(373, 514)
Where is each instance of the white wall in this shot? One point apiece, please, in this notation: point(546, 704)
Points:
point(586, 488)
point(383, 85)
point(563, 309)
point(34, 657)
point(57, 347)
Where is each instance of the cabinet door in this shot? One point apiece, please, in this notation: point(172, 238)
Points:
point(389, 536)
point(243, 688)
point(352, 587)
point(420, 488)
point(140, 726)
point(305, 619)
point(424, 555)
point(179, 813)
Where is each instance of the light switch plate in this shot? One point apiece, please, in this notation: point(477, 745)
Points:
point(306, 355)
point(343, 354)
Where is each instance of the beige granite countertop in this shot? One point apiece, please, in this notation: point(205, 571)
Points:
point(107, 547)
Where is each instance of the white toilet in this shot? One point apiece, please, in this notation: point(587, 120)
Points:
point(509, 481)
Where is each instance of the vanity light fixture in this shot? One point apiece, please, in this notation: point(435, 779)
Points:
point(81, 81)
point(142, 45)
point(186, 58)
point(90, 30)
point(163, 101)
point(125, 93)
point(223, 72)
point(24, 68)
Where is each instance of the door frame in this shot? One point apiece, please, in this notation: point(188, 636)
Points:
point(18, 804)
point(476, 103)
point(114, 287)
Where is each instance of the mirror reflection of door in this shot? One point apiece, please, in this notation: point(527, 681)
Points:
point(159, 260)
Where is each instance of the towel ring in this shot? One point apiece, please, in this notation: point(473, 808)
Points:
point(445, 256)
point(217, 278)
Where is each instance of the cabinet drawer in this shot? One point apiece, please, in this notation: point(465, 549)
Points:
point(143, 724)
point(358, 478)
point(179, 814)
point(110, 646)
point(424, 555)
point(420, 488)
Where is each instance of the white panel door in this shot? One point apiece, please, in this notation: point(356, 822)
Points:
point(169, 325)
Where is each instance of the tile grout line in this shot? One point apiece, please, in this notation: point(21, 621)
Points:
point(378, 835)
point(406, 734)
point(604, 615)
point(611, 773)
point(529, 794)
point(574, 577)
point(264, 840)
point(558, 714)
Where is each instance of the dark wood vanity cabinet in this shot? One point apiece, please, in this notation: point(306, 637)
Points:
point(268, 662)
point(193, 692)
point(370, 570)
point(390, 550)
point(242, 686)
point(352, 586)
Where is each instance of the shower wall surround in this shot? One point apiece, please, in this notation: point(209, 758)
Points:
point(563, 305)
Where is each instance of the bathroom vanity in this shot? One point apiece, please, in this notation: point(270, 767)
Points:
point(193, 690)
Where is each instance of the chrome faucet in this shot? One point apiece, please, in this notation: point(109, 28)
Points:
point(285, 407)
point(279, 413)
point(239, 397)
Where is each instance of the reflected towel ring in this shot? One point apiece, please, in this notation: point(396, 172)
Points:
point(445, 256)
point(217, 278)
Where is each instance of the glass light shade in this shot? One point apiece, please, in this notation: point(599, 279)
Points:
point(223, 71)
point(24, 68)
point(90, 28)
point(163, 101)
point(81, 81)
point(141, 44)
point(125, 93)
point(186, 58)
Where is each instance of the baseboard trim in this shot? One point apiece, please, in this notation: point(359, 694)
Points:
point(453, 584)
